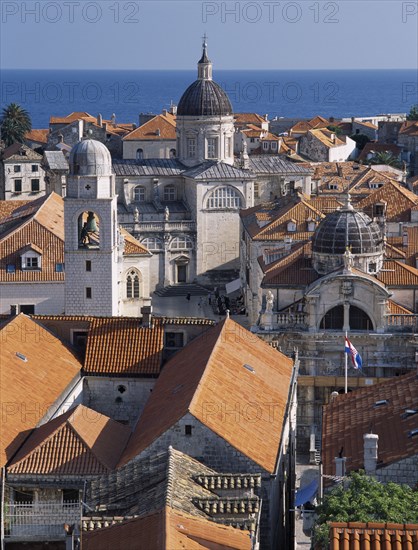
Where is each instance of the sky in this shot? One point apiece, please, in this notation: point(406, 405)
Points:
point(166, 34)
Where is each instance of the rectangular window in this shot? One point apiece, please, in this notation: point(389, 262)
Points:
point(265, 145)
point(174, 339)
point(18, 186)
point(212, 148)
point(34, 186)
point(59, 268)
point(16, 168)
point(252, 140)
point(191, 147)
point(170, 193)
point(70, 496)
point(88, 292)
point(256, 190)
point(274, 145)
point(28, 309)
point(35, 168)
point(10, 268)
point(79, 339)
point(188, 429)
point(31, 262)
point(88, 265)
point(23, 497)
point(227, 146)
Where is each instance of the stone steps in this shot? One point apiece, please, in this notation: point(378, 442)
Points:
point(182, 289)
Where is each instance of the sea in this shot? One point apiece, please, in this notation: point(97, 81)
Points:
point(278, 93)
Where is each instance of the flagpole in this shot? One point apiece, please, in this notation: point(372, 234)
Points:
point(346, 366)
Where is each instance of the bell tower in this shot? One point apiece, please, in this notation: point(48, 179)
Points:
point(93, 246)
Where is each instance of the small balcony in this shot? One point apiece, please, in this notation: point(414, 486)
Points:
point(41, 521)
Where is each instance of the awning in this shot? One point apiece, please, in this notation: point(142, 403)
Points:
point(307, 493)
point(233, 286)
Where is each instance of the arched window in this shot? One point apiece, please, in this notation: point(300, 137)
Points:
point(170, 193)
point(181, 243)
point(139, 154)
point(88, 230)
point(132, 285)
point(139, 193)
point(152, 243)
point(224, 197)
point(334, 319)
point(172, 153)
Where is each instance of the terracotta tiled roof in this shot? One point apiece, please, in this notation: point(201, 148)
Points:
point(29, 387)
point(121, 345)
point(399, 201)
point(395, 308)
point(132, 246)
point(77, 115)
point(301, 127)
point(20, 153)
point(324, 136)
point(7, 207)
point(248, 118)
point(299, 213)
point(397, 274)
point(165, 124)
point(167, 530)
point(406, 244)
point(348, 417)
point(378, 148)
point(39, 223)
point(211, 369)
point(294, 269)
point(319, 122)
point(38, 135)
point(325, 204)
point(79, 442)
point(409, 128)
point(379, 536)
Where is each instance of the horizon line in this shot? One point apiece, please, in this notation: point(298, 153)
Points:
point(193, 70)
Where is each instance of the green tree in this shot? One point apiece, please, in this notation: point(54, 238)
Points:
point(336, 129)
point(385, 157)
point(15, 122)
point(413, 113)
point(365, 499)
point(361, 140)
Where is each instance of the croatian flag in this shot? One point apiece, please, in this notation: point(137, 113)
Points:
point(355, 356)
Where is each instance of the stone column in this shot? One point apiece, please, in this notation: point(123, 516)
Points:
point(346, 323)
point(167, 278)
point(370, 453)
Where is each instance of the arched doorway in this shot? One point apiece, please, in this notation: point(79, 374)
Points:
point(334, 319)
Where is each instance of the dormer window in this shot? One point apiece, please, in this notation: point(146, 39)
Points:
point(291, 226)
point(311, 226)
point(333, 186)
point(31, 258)
point(265, 145)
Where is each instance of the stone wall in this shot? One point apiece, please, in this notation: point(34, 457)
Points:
point(403, 472)
point(122, 399)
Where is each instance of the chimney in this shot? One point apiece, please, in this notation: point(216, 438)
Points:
point(173, 108)
point(333, 138)
point(165, 112)
point(405, 238)
point(266, 117)
point(333, 396)
point(113, 119)
point(60, 138)
point(99, 120)
point(352, 120)
point(146, 316)
point(370, 453)
point(340, 466)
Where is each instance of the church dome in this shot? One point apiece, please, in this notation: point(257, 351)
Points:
point(347, 228)
point(204, 98)
point(90, 158)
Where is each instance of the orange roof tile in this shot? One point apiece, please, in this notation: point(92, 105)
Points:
point(348, 417)
point(7, 207)
point(211, 370)
point(324, 136)
point(121, 345)
point(395, 308)
point(76, 115)
point(398, 274)
point(38, 135)
point(132, 246)
point(40, 223)
point(379, 536)
point(167, 530)
point(164, 124)
point(29, 387)
point(399, 201)
point(248, 118)
point(79, 442)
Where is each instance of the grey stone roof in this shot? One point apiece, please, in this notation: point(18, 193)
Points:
point(265, 164)
point(20, 153)
point(347, 227)
point(55, 160)
point(204, 98)
point(148, 167)
point(213, 170)
point(174, 479)
point(90, 157)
